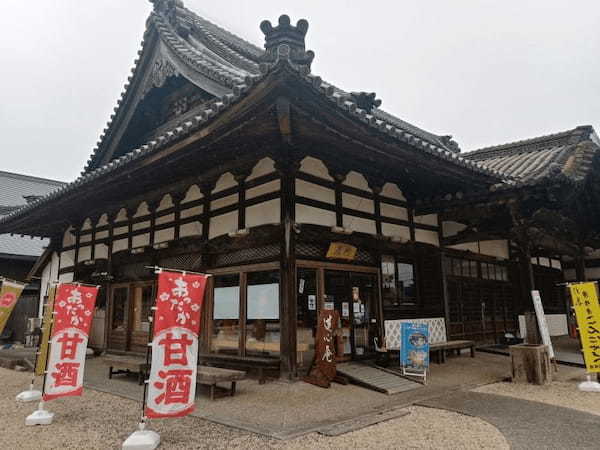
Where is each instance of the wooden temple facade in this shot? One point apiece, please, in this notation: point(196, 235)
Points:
point(225, 158)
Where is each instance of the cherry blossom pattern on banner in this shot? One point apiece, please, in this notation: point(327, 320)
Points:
point(74, 307)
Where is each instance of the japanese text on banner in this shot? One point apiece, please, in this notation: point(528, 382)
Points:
point(587, 311)
point(73, 312)
point(172, 384)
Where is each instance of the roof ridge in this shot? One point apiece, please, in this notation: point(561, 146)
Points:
point(529, 141)
point(22, 176)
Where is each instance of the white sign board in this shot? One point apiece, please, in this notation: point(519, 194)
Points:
point(541, 319)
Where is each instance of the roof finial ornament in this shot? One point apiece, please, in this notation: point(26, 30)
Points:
point(168, 9)
point(366, 100)
point(450, 144)
point(286, 41)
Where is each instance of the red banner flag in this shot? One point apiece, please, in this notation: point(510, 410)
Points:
point(73, 311)
point(172, 383)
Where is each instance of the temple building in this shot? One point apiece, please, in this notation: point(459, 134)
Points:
point(227, 158)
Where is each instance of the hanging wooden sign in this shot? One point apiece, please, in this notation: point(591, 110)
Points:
point(340, 250)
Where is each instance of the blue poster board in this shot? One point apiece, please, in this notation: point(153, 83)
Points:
point(414, 349)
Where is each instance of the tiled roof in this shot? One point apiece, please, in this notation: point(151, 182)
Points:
point(567, 155)
point(225, 59)
point(14, 188)
point(379, 120)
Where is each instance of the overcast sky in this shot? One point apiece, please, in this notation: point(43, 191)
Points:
point(486, 72)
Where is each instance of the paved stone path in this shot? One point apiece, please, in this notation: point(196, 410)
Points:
point(526, 424)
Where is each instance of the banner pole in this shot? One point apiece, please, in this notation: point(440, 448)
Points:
point(142, 438)
point(42, 416)
point(32, 395)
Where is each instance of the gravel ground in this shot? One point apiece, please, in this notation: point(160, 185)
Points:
point(559, 393)
point(101, 421)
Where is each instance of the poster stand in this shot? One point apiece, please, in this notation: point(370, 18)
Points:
point(143, 439)
point(414, 350)
point(34, 395)
point(543, 326)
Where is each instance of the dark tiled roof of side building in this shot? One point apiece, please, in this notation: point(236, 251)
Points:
point(566, 155)
point(14, 188)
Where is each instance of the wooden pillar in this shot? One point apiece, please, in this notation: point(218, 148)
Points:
point(443, 275)
point(287, 168)
point(580, 267)
point(177, 198)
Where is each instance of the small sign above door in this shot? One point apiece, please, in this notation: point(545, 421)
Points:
point(339, 250)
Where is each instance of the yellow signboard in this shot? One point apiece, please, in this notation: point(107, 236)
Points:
point(587, 311)
point(10, 291)
point(40, 365)
point(339, 250)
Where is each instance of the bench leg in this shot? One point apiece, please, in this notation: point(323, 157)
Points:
point(261, 376)
point(110, 373)
point(232, 392)
point(443, 356)
point(212, 391)
point(141, 377)
point(473, 352)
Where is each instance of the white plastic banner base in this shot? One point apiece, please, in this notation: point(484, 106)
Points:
point(40, 417)
point(142, 439)
point(30, 395)
point(589, 385)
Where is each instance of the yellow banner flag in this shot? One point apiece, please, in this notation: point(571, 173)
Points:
point(587, 311)
point(10, 291)
point(40, 365)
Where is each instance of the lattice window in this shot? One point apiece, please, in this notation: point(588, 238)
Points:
point(247, 255)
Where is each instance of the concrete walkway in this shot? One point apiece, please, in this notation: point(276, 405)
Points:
point(526, 424)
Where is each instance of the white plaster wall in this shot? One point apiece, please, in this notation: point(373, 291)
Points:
point(65, 277)
point(119, 245)
point(49, 274)
point(85, 253)
point(101, 251)
point(165, 202)
point(190, 212)
point(225, 181)
point(545, 262)
point(357, 180)
point(450, 228)
point(392, 190)
point(142, 210)
point(308, 214)
point(67, 259)
point(428, 219)
point(315, 167)
point(223, 224)
point(140, 240)
point(358, 203)
point(359, 224)
point(68, 238)
point(315, 192)
point(225, 201)
point(263, 213)
point(168, 234)
point(141, 225)
point(429, 237)
point(391, 229)
point(395, 212)
point(556, 264)
point(496, 248)
point(190, 229)
point(264, 167)
point(265, 188)
point(193, 193)
point(469, 246)
point(165, 219)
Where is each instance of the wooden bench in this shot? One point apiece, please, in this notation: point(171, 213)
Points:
point(210, 376)
point(440, 349)
point(126, 364)
point(245, 362)
point(438, 343)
